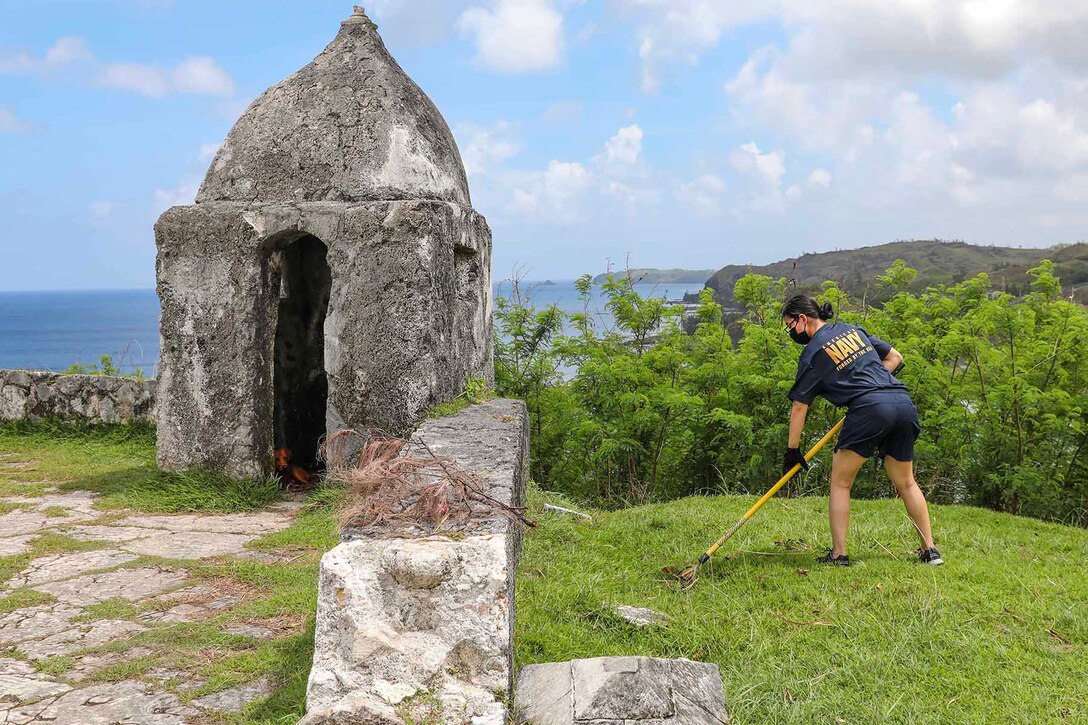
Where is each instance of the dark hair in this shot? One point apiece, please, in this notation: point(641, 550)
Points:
point(805, 305)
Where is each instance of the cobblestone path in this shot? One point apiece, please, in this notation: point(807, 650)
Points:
point(51, 624)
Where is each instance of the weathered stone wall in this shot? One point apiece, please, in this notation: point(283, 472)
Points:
point(402, 332)
point(426, 622)
point(27, 394)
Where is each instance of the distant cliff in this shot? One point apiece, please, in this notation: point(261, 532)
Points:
point(937, 263)
point(663, 276)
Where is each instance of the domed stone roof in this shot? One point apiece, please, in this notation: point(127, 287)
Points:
point(350, 126)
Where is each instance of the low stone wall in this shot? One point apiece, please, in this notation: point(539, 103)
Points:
point(26, 394)
point(421, 626)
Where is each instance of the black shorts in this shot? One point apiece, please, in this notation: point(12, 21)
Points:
point(882, 422)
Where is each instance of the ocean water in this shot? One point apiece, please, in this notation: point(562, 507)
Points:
point(53, 330)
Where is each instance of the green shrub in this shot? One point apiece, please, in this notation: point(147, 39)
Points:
point(647, 412)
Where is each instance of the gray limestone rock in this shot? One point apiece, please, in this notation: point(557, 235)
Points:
point(621, 691)
point(64, 566)
point(38, 622)
point(235, 698)
point(195, 545)
point(332, 237)
point(92, 398)
point(13, 545)
point(23, 522)
point(108, 704)
point(640, 616)
point(130, 584)
point(77, 637)
point(20, 684)
point(262, 522)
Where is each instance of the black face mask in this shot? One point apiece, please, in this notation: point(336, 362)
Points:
point(801, 338)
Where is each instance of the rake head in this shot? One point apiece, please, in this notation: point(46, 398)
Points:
point(685, 577)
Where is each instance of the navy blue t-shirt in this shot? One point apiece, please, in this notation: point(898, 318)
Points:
point(841, 362)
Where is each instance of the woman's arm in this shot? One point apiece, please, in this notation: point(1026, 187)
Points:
point(892, 359)
point(797, 423)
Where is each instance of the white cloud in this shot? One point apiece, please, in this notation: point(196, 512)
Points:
point(143, 79)
point(855, 38)
point(201, 75)
point(484, 148)
point(11, 123)
point(553, 195)
point(195, 75)
point(515, 36)
point(704, 195)
point(767, 169)
point(819, 177)
point(625, 146)
point(64, 52)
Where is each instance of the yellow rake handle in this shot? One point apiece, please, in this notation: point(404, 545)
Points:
point(773, 490)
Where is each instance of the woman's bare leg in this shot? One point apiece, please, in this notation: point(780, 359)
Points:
point(902, 475)
point(844, 468)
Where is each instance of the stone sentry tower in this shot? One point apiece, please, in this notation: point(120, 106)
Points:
point(332, 272)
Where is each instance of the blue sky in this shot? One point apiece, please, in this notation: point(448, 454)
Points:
point(691, 133)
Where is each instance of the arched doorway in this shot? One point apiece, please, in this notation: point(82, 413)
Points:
point(299, 380)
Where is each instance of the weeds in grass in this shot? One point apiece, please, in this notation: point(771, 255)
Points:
point(24, 598)
point(55, 665)
point(115, 608)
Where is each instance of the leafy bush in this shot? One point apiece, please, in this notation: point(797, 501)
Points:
point(104, 366)
point(642, 411)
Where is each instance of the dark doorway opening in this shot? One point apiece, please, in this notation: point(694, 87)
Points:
point(299, 379)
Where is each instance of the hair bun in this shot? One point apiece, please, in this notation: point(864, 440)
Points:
point(826, 313)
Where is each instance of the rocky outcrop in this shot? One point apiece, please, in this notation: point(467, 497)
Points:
point(421, 626)
point(621, 691)
point(26, 394)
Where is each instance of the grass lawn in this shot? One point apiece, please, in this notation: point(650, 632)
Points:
point(997, 635)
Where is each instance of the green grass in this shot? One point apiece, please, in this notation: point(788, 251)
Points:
point(118, 462)
point(998, 634)
point(476, 391)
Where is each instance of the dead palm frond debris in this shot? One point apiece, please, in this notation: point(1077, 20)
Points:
point(398, 482)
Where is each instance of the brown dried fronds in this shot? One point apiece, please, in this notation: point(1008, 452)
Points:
point(394, 481)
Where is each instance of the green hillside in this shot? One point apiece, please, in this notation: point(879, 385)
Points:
point(998, 634)
point(937, 262)
point(664, 276)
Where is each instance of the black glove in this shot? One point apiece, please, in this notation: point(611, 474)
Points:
point(792, 458)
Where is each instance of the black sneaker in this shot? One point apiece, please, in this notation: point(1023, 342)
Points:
point(930, 556)
point(827, 558)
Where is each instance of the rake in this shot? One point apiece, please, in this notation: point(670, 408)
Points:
point(687, 576)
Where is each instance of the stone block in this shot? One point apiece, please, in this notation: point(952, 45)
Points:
point(91, 398)
point(621, 691)
point(410, 621)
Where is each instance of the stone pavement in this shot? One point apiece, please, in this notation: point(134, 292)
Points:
point(56, 622)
